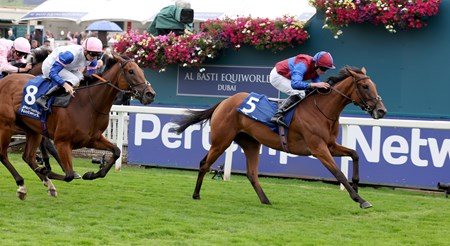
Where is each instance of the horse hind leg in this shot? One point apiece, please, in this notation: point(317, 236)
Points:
point(251, 149)
point(214, 152)
point(200, 178)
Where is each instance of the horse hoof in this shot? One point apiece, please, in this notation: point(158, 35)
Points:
point(365, 205)
point(52, 193)
point(76, 175)
point(88, 176)
point(196, 197)
point(21, 195)
point(22, 192)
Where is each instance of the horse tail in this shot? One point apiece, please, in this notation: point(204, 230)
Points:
point(194, 117)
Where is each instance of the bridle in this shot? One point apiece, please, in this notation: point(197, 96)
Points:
point(364, 102)
point(135, 93)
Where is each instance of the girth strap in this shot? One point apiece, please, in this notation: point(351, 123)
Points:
point(283, 138)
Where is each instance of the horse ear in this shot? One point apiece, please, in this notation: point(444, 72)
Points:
point(118, 58)
point(363, 70)
point(351, 72)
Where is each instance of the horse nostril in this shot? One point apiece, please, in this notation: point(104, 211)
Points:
point(150, 95)
point(381, 112)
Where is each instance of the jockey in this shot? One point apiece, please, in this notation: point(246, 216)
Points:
point(289, 76)
point(14, 52)
point(64, 66)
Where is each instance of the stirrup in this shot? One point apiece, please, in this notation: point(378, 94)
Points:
point(43, 103)
point(278, 120)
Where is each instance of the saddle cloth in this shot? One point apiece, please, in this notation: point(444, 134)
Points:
point(35, 88)
point(259, 108)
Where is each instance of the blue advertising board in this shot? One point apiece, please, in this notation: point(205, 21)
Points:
point(224, 81)
point(391, 156)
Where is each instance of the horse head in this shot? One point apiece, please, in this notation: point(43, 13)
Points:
point(132, 79)
point(365, 94)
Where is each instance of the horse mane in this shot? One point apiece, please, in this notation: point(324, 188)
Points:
point(111, 62)
point(40, 54)
point(343, 74)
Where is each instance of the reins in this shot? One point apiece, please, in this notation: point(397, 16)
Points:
point(106, 82)
point(364, 105)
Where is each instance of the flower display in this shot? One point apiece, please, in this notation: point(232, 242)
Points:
point(393, 14)
point(262, 33)
point(157, 52)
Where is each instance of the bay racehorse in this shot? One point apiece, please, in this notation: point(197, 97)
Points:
point(313, 130)
point(80, 124)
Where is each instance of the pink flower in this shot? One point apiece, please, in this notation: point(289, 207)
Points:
point(401, 14)
point(192, 50)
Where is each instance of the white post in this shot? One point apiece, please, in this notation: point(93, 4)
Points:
point(344, 159)
point(120, 133)
point(228, 163)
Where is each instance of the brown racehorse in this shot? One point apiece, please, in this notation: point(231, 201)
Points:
point(313, 131)
point(79, 125)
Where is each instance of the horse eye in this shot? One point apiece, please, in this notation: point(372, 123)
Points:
point(131, 71)
point(364, 86)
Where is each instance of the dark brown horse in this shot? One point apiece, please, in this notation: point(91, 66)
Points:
point(313, 130)
point(39, 56)
point(79, 125)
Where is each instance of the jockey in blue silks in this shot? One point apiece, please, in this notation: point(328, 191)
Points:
point(290, 75)
point(65, 65)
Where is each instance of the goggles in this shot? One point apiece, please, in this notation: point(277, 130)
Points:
point(21, 54)
point(94, 54)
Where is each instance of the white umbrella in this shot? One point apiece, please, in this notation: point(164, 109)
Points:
point(62, 9)
point(126, 10)
point(207, 9)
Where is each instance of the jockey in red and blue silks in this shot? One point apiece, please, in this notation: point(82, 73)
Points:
point(65, 65)
point(290, 76)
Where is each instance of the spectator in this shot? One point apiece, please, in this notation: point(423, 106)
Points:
point(47, 45)
point(28, 37)
point(34, 44)
point(11, 35)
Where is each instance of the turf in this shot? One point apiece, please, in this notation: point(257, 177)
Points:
point(152, 206)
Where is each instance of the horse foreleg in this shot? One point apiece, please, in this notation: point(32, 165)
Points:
point(324, 155)
point(103, 144)
point(29, 156)
point(251, 149)
point(22, 190)
point(339, 150)
point(64, 150)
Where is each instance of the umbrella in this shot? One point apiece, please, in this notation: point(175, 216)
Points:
point(106, 26)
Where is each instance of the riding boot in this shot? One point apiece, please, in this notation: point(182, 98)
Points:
point(42, 101)
point(291, 101)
